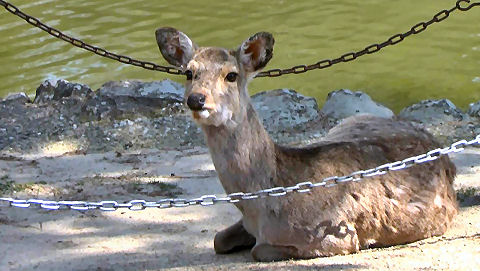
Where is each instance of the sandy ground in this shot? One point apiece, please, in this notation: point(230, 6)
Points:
point(178, 238)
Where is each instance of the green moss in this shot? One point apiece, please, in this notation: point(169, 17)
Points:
point(465, 193)
point(154, 188)
point(10, 186)
point(6, 185)
point(163, 186)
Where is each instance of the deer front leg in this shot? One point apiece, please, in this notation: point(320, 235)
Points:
point(270, 253)
point(233, 238)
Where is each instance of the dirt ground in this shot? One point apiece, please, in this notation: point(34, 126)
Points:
point(178, 238)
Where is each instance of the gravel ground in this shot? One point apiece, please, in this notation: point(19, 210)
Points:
point(180, 238)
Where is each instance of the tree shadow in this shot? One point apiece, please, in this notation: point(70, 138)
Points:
point(465, 161)
point(468, 197)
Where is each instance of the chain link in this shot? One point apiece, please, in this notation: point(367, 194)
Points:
point(208, 200)
point(81, 44)
point(395, 39)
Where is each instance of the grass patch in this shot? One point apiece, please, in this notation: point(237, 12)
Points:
point(465, 193)
point(163, 186)
point(154, 189)
point(8, 186)
point(468, 196)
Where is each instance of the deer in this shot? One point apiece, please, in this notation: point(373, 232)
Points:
point(396, 208)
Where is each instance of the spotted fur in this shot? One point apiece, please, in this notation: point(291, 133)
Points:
point(396, 208)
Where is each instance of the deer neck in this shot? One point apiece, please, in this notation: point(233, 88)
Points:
point(244, 155)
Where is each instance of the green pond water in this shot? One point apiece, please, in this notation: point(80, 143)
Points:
point(442, 62)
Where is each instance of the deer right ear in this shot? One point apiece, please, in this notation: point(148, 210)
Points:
point(255, 52)
point(175, 46)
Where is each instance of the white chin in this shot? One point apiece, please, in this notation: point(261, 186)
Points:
point(221, 116)
point(204, 114)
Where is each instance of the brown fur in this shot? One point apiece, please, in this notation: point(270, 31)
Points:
point(396, 208)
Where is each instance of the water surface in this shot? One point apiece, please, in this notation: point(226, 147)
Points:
point(442, 62)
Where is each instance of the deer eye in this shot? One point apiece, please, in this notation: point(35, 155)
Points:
point(231, 77)
point(189, 74)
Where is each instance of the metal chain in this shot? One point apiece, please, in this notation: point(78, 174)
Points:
point(395, 39)
point(208, 200)
point(81, 44)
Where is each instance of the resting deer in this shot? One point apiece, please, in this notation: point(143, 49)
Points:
point(396, 208)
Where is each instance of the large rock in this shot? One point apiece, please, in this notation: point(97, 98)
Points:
point(474, 110)
point(134, 115)
point(138, 96)
point(433, 112)
point(442, 119)
point(285, 108)
point(99, 108)
point(16, 98)
point(56, 90)
point(117, 117)
point(289, 116)
point(344, 103)
point(130, 98)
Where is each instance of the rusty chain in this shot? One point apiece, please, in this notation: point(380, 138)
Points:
point(208, 200)
point(462, 5)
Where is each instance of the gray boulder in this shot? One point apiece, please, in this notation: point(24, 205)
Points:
point(290, 117)
point(99, 108)
point(16, 98)
point(56, 90)
point(165, 91)
point(285, 108)
point(433, 112)
point(474, 110)
point(45, 92)
point(95, 121)
point(344, 103)
point(147, 98)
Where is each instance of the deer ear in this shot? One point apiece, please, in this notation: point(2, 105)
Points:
point(255, 52)
point(175, 46)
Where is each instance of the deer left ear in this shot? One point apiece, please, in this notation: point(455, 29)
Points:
point(255, 52)
point(175, 46)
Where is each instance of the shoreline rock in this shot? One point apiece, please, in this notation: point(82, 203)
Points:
point(474, 110)
point(136, 115)
point(344, 103)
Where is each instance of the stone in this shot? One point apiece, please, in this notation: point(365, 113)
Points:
point(45, 92)
point(98, 108)
point(147, 98)
point(433, 112)
point(159, 92)
point(474, 110)
point(55, 90)
point(138, 115)
point(344, 103)
point(290, 117)
point(285, 108)
point(18, 98)
point(149, 116)
point(66, 89)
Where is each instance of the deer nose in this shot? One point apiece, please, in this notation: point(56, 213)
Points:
point(196, 101)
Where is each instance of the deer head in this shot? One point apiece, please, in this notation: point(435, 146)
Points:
point(216, 87)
